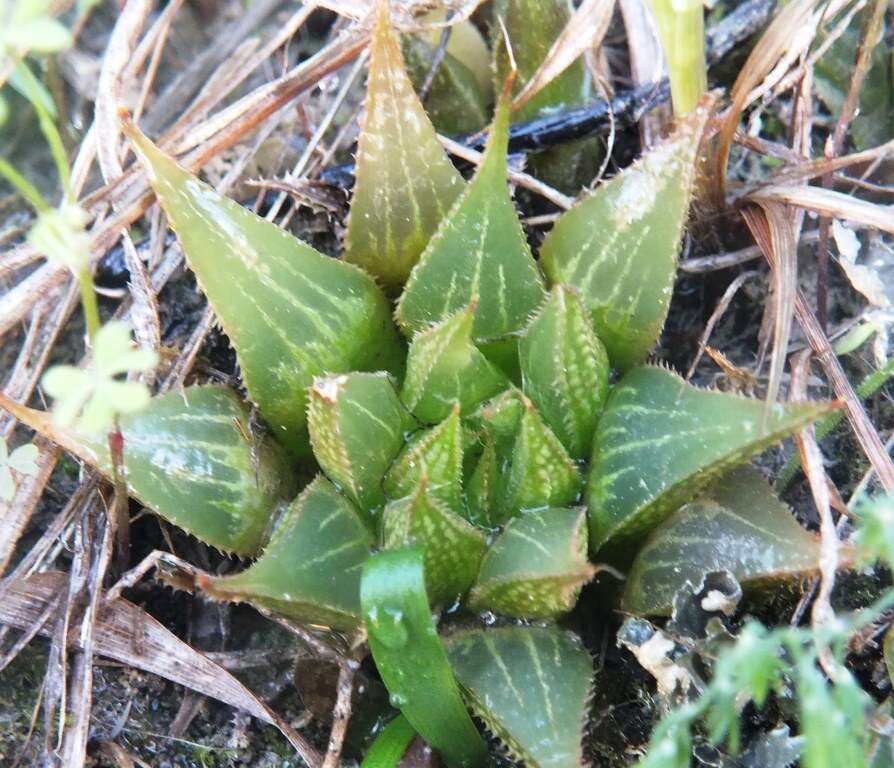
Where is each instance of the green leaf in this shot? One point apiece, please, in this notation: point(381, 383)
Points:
point(193, 458)
point(444, 368)
point(456, 102)
point(405, 181)
point(436, 454)
point(310, 571)
point(411, 659)
point(537, 566)
point(565, 369)
point(531, 687)
point(660, 441)
point(290, 312)
point(619, 245)
point(453, 547)
point(737, 525)
point(541, 473)
point(357, 425)
point(390, 744)
point(499, 418)
point(533, 28)
point(486, 488)
point(479, 253)
point(60, 234)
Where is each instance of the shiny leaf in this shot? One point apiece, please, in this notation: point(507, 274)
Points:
point(531, 687)
point(660, 441)
point(290, 312)
point(436, 454)
point(737, 525)
point(565, 369)
point(619, 245)
point(356, 427)
point(541, 473)
point(445, 368)
point(453, 547)
point(411, 659)
point(405, 182)
point(478, 253)
point(310, 570)
point(193, 458)
point(537, 566)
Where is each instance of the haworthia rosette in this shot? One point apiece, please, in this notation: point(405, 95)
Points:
point(541, 473)
point(619, 245)
point(357, 426)
point(436, 454)
point(453, 547)
point(530, 686)
point(737, 525)
point(660, 441)
point(405, 181)
point(310, 571)
point(193, 458)
point(565, 369)
point(536, 567)
point(411, 658)
point(290, 312)
point(445, 368)
point(479, 251)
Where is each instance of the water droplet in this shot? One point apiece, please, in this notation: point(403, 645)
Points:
point(397, 700)
point(390, 629)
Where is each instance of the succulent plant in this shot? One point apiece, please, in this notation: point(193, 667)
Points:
point(457, 397)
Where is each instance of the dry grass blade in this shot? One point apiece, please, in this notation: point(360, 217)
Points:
point(783, 227)
point(774, 43)
point(864, 431)
point(128, 634)
point(584, 30)
point(812, 461)
point(827, 202)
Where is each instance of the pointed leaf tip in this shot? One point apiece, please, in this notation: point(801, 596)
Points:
point(310, 571)
point(405, 181)
point(537, 566)
point(445, 368)
point(530, 686)
point(619, 245)
point(660, 441)
point(480, 249)
point(565, 369)
point(357, 425)
point(290, 312)
point(453, 548)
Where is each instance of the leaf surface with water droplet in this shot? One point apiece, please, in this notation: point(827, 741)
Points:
point(453, 547)
point(416, 672)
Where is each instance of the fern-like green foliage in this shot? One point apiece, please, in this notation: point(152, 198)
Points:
point(490, 442)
